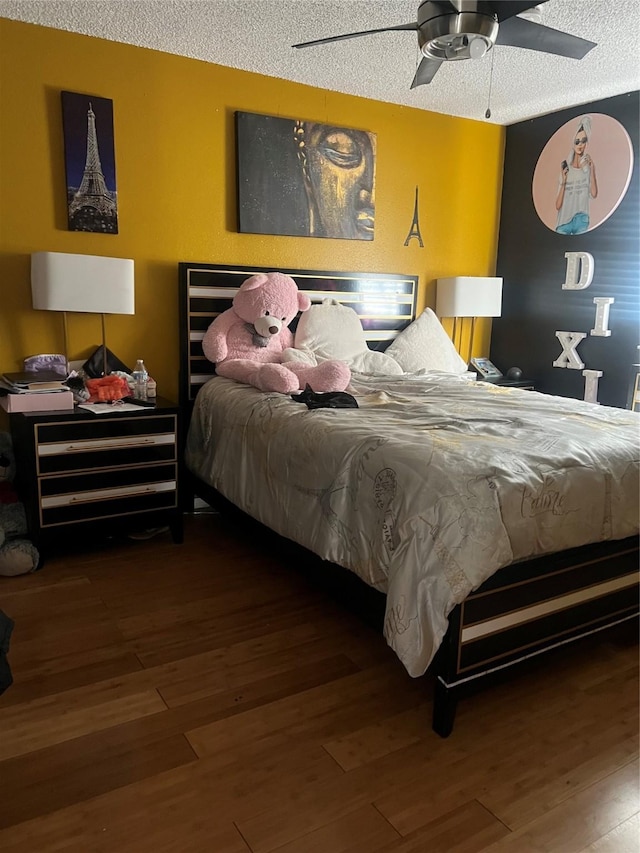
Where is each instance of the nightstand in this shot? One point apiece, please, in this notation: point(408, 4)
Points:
point(527, 384)
point(79, 472)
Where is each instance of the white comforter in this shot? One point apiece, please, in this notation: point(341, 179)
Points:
point(425, 490)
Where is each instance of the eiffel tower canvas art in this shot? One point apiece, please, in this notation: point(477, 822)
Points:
point(92, 200)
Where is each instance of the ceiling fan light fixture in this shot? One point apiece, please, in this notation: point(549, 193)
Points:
point(464, 35)
point(478, 47)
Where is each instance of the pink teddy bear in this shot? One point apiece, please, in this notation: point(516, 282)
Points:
point(247, 340)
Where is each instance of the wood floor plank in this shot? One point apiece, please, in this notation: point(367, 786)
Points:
point(64, 717)
point(624, 838)
point(182, 809)
point(382, 738)
point(175, 643)
point(245, 673)
point(184, 640)
point(470, 828)
point(577, 753)
point(278, 823)
point(157, 572)
point(294, 713)
point(541, 693)
point(45, 602)
point(485, 763)
point(582, 820)
point(186, 680)
point(150, 733)
point(361, 831)
point(220, 605)
point(91, 628)
point(562, 777)
point(64, 637)
point(153, 831)
point(70, 671)
point(74, 771)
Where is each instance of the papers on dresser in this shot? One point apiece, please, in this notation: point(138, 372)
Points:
point(33, 383)
point(110, 408)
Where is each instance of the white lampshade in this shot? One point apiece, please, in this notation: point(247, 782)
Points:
point(469, 296)
point(86, 283)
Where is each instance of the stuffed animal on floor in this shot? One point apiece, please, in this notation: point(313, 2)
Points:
point(247, 340)
point(18, 555)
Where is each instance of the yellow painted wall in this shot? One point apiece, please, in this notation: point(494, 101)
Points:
point(175, 167)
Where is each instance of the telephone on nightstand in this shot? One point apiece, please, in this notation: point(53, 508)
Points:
point(485, 369)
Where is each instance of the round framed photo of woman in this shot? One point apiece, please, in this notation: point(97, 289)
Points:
point(582, 174)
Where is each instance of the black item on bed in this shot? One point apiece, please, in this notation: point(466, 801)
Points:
point(326, 400)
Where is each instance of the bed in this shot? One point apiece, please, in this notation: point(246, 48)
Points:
point(498, 523)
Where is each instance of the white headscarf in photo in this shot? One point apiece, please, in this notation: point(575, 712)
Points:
point(584, 123)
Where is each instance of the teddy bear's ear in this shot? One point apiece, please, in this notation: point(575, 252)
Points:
point(255, 281)
point(304, 303)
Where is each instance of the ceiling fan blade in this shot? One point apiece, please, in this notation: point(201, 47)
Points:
point(505, 9)
point(518, 32)
point(412, 26)
point(426, 71)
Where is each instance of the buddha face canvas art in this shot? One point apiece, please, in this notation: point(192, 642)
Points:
point(304, 178)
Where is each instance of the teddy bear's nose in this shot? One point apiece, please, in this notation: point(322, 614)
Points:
point(273, 330)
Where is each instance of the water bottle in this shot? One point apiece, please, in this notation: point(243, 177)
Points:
point(140, 377)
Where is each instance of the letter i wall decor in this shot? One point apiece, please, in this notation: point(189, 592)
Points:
point(92, 199)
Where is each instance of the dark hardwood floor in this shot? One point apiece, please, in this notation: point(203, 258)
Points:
point(210, 698)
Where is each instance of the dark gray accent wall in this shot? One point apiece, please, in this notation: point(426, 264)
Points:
point(532, 263)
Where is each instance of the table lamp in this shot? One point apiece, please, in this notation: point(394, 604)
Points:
point(89, 284)
point(468, 296)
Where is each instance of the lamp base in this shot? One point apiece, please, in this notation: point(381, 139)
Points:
point(471, 339)
point(105, 365)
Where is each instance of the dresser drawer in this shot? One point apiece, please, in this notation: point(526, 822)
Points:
point(65, 484)
point(82, 497)
point(103, 426)
point(70, 447)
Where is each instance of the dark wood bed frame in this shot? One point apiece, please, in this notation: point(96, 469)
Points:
point(524, 609)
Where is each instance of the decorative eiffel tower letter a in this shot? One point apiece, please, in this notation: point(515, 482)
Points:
point(93, 207)
point(414, 231)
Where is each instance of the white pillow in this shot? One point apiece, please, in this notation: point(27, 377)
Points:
point(424, 345)
point(334, 331)
point(305, 356)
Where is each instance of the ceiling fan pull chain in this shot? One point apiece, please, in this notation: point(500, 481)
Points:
point(488, 112)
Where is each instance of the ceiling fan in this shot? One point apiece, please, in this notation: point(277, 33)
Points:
point(468, 29)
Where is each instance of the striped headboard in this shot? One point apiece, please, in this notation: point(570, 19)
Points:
point(385, 304)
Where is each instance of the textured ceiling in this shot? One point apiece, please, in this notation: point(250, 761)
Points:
point(256, 35)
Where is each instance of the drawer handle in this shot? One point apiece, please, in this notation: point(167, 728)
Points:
point(73, 447)
point(135, 494)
